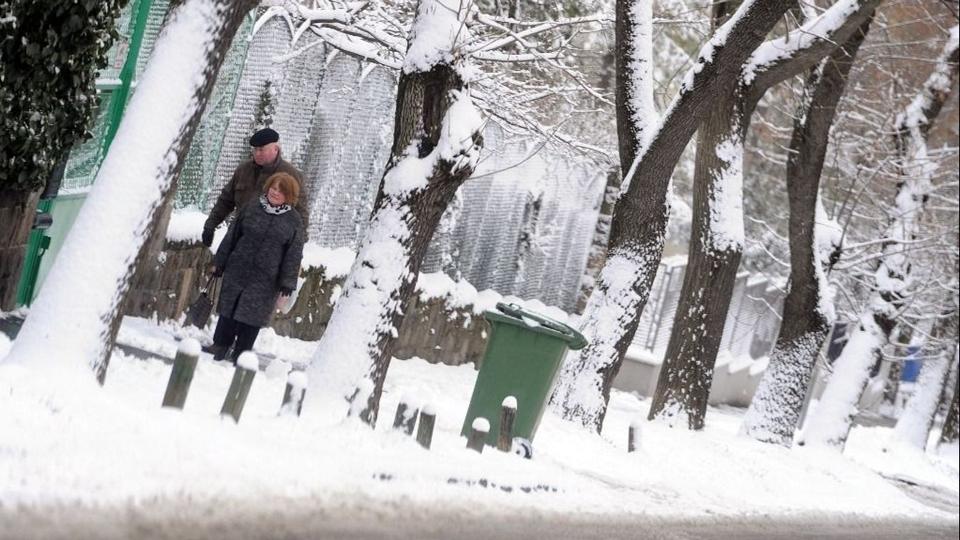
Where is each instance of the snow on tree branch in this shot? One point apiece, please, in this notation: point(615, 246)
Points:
point(920, 110)
point(777, 58)
point(510, 58)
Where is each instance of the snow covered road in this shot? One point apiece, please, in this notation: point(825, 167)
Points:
point(290, 519)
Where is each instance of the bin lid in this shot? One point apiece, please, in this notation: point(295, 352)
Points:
point(535, 322)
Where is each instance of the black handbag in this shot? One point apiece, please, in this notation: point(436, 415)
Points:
point(199, 311)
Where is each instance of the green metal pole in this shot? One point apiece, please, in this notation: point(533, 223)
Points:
point(119, 97)
point(38, 241)
point(36, 245)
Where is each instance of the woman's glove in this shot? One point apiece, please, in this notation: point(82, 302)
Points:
point(207, 237)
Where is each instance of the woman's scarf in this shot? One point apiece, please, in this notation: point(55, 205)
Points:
point(271, 209)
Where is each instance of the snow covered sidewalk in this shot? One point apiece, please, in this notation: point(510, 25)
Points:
point(116, 450)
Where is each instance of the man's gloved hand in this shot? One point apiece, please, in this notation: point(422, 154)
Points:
point(285, 291)
point(207, 237)
point(215, 270)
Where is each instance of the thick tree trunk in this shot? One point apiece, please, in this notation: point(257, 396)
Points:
point(67, 328)
point(601, 235)
point(717, 240)
point(951, 425)
point(914, 425)
point(435, 149)
point(716, 245)
point(807, 314)
point(915, 422)
point(837, 408)
point(640, 216)
point(17, 210)
point(892, 385)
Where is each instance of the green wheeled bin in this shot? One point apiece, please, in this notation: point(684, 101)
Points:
point(524, 353)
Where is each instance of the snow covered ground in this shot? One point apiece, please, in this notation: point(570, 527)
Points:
point(117, 451)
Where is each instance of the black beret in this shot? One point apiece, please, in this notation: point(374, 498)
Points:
point(263, 137)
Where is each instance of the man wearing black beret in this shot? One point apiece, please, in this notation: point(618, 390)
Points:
point(247, 181)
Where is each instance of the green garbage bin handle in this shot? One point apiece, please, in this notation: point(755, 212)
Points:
point(575, 340)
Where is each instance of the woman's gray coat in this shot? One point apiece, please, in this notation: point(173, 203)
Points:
point(259, 255)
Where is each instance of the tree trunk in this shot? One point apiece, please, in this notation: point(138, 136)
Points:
point(717, 241)
point(716, 244)
point(807, 314)
point(601, 235)
point(436, 145)
point(640, 217)
point(17, 211)
point(67, 328)
point(914, 425)
point(951, 425)
point(48, 67)
point(892, 385)
point(837, 408)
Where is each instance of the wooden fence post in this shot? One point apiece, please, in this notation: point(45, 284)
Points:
point(406, 416)
point(428, 418)
point(478, 433)
point(294, 393)
point(633, 437)
point(236, 398)
point(508, 414)
point(184, 364)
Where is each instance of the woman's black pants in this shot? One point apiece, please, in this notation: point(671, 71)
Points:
point(231, 332)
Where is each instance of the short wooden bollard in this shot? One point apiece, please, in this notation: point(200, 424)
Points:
point(633, 437)
point(184, 364)
point(478, 433)
point(236, 398)
point(294, 393)
point(406, 417)
point(428, 418)
point(508, 414)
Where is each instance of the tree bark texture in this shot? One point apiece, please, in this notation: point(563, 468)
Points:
point(951, 425)
point(716, 243)
point(775, 409)
point(423, 99)
point(17, 211)
point(714, 256)
point(640, 216)
point(837, 408)
point(47, 101)
point(355, 351)
point(601, 235)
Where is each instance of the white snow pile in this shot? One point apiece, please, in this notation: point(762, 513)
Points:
point(461, 294)
point(186, 225)
point(437, 30)
point(336, 262)
point(115, 448)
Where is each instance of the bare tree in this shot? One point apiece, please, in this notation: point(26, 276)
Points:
point(891, 282)
point(447, 79)
point(716, 243)
point(951, 425)
point(648, 155)
point(914, 425)
point(814, 248)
